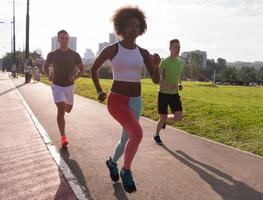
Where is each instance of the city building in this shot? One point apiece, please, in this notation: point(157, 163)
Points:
point(113, 38)
point(89, 54)
point(101, 46)
point(89, 57)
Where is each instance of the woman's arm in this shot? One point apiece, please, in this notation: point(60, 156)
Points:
point(105, 54)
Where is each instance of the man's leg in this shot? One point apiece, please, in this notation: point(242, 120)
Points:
point(60, 117)
point(162, 110)
point(69, 94)
point(176, 108)
point(68, 108)
point(59, 95)
point(176, 116)
point(161, 122)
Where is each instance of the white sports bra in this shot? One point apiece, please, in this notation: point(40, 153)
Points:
point(127, 64)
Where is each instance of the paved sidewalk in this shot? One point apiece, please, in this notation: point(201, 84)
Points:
point(27, 170)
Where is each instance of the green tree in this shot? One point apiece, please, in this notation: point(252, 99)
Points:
point(186, 73)
point(195, 65)
point(229, 74)
point(220, 64)
point(8, 59)
point(105, 72)
point(260, 75)
point(247, 74)
point(208, 72)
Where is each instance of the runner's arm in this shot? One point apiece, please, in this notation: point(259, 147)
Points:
point(80, 71)
point(152, 64)
point(107, 53)
point(180, 83)
point(45, 67)
point(46, 64)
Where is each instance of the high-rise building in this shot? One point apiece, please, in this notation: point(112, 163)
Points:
point(54, 43)
point(72, 43)
point(113, 38)
point(185, 57)
point(204, 60)
point(89, 57)
point(101, 46)
point(89, 54)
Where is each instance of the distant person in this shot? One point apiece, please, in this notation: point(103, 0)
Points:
point(124, 101)
point(64, 62)
point(26, 71)
point(13, 69)
point(170, 83)
point(29, 74)
point(36, 74)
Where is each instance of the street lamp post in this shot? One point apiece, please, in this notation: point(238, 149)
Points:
point(11, 39)
point(14, 35)
point(214, 75)
point(27, 31)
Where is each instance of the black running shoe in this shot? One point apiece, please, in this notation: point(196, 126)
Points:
point(127, 181)
point(114, 172)
point(157, 139)
point(164, 126)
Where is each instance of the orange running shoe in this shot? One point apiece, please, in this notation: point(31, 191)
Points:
point(64, 141)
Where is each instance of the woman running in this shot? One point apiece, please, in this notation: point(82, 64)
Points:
point(124, 101)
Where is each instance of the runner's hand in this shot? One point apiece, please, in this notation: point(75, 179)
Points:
point(102, 96)
point(181, 87)
point(50, 77)
point(156, 59)
point(72, 78)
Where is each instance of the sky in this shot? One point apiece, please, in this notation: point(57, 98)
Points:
point(231, 29)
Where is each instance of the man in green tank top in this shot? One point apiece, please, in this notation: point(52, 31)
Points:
point(170, 84)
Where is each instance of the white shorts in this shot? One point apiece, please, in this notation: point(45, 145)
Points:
point(63, 94)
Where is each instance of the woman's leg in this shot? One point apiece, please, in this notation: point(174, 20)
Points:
point(119, 108)
point(135, 106)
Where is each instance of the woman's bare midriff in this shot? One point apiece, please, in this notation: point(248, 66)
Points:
point(130, 89)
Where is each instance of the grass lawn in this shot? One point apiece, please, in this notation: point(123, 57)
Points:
point(232, 115)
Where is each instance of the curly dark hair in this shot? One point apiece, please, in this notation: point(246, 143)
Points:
point(124, 14)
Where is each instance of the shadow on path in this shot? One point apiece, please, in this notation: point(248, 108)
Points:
point(11, 89)
point(76, 171)
point(119, 193)
point(223, 184)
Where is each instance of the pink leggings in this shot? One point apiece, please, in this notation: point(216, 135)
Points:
point(119, 108)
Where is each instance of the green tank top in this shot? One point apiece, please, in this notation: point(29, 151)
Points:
point(171, 73)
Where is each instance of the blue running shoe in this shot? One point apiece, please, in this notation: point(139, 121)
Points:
point(127, 181)
point(157, 139)
point(114, 172)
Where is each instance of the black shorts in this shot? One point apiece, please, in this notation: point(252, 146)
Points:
point(171, 100)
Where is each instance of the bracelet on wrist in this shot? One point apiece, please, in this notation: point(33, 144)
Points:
point(100, 92)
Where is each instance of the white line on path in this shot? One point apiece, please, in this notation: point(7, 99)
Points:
point(78, 190)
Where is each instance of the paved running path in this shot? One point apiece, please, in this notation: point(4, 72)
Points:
point(27, 170)
point(187, 167)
